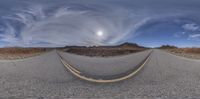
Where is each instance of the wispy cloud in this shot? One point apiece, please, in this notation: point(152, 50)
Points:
point(73, 22)
point(194, 37)
point(9, 34)
point(191, 27)
point(74, 27)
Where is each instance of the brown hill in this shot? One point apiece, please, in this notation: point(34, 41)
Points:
point(168, 47)
point(130, 45)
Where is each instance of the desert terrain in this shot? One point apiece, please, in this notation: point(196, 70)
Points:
point(96, 51)
point(100, 51)
point(193, 53)
point(105, 51)
point(20, 53)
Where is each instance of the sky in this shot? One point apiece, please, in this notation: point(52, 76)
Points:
point(58, 23)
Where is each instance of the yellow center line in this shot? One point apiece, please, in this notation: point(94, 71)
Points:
point(78, 73)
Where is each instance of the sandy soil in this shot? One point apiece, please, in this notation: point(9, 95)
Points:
point(19, 53)
point(17, 56)
point(184, 53)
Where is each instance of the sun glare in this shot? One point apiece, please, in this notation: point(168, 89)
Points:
point(99, 33)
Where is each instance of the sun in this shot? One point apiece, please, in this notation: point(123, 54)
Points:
point(99, 33)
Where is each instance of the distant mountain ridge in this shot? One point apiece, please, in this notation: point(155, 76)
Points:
point(123, 45)
point(127, 44)
point(167, 47)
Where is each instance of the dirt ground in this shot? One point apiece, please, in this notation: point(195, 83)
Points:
point(19, 53)
point(193, 53)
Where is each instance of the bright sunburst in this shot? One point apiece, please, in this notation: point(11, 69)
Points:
point(100, 33)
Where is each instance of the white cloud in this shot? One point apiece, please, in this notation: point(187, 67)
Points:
point(66, 26)
point(72, 27)
point(9, 34)
point(179, 34)
point(194, 37)
point(191, 27)
point(183, 33)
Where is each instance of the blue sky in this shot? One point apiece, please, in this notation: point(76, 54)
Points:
point(57, 23)
point(181, 34)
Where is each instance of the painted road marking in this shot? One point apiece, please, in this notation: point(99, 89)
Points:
point(77, 73)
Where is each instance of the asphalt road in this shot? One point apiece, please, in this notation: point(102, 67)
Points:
point(108, 66)
point(44, 77)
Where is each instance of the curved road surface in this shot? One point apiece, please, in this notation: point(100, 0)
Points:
point(111, 69)
point(45, 77)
